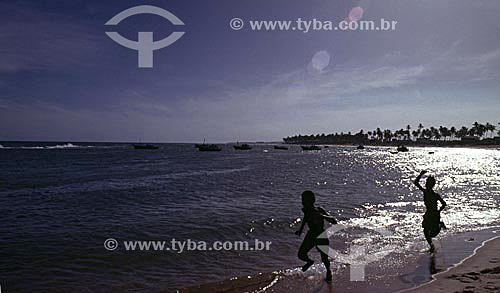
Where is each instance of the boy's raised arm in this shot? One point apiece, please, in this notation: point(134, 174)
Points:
point(417, 180)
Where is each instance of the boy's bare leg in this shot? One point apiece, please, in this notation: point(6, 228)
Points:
point(306, 245)
point(326, 262)
point(429, 239)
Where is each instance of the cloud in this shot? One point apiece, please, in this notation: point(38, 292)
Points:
point(47, 121)
point(36, 40)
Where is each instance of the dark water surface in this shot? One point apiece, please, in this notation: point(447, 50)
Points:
point(60, 202)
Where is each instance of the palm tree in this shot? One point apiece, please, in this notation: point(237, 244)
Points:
point(419, 130)
point(475, 126)
point(443, 130)
point(400, 133)
point(482, 130)
point(387, 135)
point(453, 131)
point(426, 133)
point(379, 133)
point(433, 132)
point(479, 129)
point(490, 128)
point(415, 134)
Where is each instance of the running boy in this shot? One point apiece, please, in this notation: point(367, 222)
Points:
point(314, 217)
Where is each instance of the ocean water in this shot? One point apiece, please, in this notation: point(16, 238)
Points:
point(61, 201)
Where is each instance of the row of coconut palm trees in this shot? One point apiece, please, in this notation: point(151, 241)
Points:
point(477, 130)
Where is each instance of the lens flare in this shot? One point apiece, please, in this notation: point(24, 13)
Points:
point(355, 14)
point(320, 60)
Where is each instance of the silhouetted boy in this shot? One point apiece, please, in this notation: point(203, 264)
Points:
point(432, 219)
point(314, 217)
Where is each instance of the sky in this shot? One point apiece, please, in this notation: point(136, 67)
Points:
point(63, 79)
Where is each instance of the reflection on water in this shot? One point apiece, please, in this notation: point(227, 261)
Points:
point(64, 203)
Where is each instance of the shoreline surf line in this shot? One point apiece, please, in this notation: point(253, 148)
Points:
point(282, 280)
point(435, 276)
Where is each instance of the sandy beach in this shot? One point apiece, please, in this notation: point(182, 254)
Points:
point(476, 269)
point(478, 273)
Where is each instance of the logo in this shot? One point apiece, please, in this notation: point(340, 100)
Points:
point(145, 44)
point(110, 244)
point(236, 24)
point(357, 257)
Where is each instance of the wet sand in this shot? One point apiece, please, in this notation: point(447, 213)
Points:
point(478, 273)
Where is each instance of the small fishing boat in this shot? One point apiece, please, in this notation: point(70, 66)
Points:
point(310, 148)
point(209, 148)
point(402, 149)
point(280, 147)
point(146, 147)
point(198, 145)
point(242, 147)
point(360, 147)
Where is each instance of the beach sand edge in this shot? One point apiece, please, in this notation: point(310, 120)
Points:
point(477, 273)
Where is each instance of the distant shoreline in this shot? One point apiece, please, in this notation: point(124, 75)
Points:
point(456, 144)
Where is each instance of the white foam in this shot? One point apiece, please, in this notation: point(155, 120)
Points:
point(53, 147)
point(63, 146)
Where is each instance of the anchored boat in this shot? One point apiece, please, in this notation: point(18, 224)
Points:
point(402, 149)
point(310, 148)
point(209, 148)
point(146, 147)
point(242, 147)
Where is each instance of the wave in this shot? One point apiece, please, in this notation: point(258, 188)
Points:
point(202, 172)
point(48, 147)
point(65, 146)
point(31, 148)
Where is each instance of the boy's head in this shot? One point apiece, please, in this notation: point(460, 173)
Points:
point(308, 198)
point(430, 182)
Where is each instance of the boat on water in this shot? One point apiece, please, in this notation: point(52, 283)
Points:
point(242, 147)
point(146, 147)
point(310, 148)
point(209, 148)
point(280, 147)
point(360, 147)
point(198, 145)
point(402, 149)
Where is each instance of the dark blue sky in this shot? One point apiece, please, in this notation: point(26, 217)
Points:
point(62, 78)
